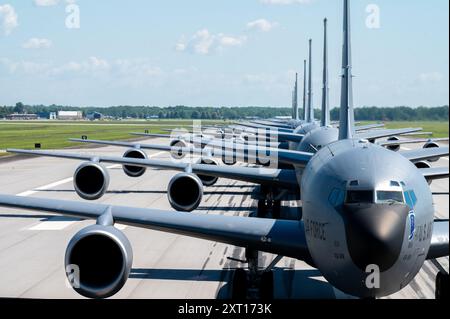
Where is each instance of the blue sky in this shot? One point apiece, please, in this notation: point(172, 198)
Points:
point(217, 53)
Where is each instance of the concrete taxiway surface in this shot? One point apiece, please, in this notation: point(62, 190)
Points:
point(32, 244)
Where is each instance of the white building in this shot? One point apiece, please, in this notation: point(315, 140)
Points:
point(70, 115)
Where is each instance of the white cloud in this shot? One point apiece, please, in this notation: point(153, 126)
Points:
point(430, 78)
point(46, 3)
point(204, 42)
point(262, 25)
point(37, 43)
point(286, 2)
point(9, 19)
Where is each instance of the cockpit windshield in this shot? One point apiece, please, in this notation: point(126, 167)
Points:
point(390, 197)
point(358, 197)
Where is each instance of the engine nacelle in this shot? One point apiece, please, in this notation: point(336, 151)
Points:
point(185, 192)
point(98, 261)
point(91, 180)
point(423, 164)
point(176, 151)
point(432, 144)
point(134, 171)
point(396, 147)
point(206, 179)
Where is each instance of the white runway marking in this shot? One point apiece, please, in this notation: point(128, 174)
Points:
point(60, 223)
point(45, 187)
point(54, 223)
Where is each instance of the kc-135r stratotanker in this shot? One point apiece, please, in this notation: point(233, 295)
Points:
point(359, 215)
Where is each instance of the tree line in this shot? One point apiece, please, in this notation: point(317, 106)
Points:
point(401, 113)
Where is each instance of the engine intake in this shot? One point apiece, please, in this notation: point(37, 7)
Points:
point(185, 192)
point(432, 144)
point(423, 164)
point(91, 180)
point(98, 261)
point(134, 171)
point(395, 147)
point(206, 179)
point(177, 152)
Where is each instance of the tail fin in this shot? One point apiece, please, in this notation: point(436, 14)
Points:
point(347, 117)
point(325, 120)
point(310, 110)
point(296, 98)
point(304, 91)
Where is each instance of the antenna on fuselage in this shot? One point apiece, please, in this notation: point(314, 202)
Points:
point(304, 91)
point(347, 117)
point(310, 110)
point(325, 119)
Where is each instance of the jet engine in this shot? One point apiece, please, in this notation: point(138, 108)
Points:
point(176, 146)
point(185, 192)
point(207, 180)
point(423, 164)
point(98, 261)
point(396, 147)
point(432, 144)
point(91, 180)
point(134, 171)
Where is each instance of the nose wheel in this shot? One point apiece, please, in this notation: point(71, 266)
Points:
point(253, 283)
point(266, 207)
point(442, 285)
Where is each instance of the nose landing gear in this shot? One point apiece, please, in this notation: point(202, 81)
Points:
point(255, 283)
point(442, 285)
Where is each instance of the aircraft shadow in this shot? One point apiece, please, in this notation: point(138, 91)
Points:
point(226, 208)
point(289, 284)
point(147, 192)
point(43, 218)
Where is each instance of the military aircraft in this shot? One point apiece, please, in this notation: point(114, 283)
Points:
point(360, 217)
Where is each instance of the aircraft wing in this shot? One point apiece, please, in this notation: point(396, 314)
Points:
point(155, 147)
point(425, 153)
point(435, 173)
point(439, 240)
point(368, 127)
point(241, 152)
point(412, 141)
point(279, 177)
point(259, 126)
point(286, 238)
point(281, 136)
point(373, 135)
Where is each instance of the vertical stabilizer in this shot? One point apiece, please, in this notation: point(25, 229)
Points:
point(325, 120)
point(347, 117)
point(310, 109)
point(296, 98)
point(304, 91)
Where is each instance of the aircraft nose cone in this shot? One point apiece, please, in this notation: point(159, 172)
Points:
point(375, 233)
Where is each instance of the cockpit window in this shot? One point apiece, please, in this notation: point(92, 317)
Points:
point(390, 197)
point(356, 197)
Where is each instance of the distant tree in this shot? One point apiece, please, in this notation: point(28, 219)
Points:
point(195, 115)
point(20, 108)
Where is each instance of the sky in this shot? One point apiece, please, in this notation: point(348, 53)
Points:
point(218, 53)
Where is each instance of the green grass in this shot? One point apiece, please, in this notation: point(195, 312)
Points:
point(439, 129)
point(55, 135)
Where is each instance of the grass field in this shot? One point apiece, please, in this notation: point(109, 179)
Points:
point(439, 129)
point(54, 135)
